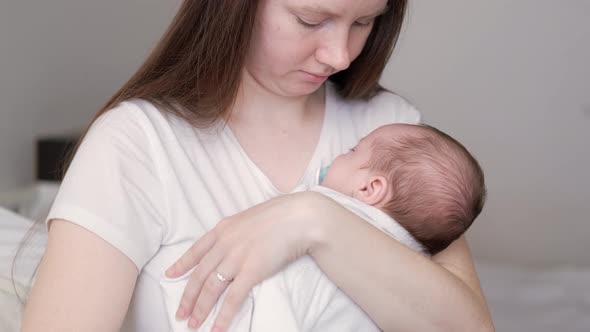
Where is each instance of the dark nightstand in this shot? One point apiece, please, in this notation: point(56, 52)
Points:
point(51, 154)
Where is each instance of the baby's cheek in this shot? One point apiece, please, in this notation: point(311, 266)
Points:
point(334, 174)
point(331, 179)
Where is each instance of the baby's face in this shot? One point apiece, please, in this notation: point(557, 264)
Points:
point(349, 170)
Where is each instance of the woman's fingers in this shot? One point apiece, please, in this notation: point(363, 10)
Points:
point(235, 297)
point(216, 283)
point(192, 256)
point(195, 284)
point(212, 289)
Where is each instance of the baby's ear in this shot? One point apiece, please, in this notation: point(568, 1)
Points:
point(374, 192)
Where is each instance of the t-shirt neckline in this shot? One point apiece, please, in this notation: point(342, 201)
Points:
point(311, 168)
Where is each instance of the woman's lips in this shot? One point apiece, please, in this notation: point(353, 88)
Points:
point(314, 77)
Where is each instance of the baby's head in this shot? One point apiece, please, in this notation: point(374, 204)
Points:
point(423, 178)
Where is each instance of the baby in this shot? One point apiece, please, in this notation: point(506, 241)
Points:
point(419, 176)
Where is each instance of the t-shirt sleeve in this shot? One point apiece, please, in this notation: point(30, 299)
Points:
point(387, 107)
point(112, 187)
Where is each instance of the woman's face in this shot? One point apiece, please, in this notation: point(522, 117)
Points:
point(297, 44)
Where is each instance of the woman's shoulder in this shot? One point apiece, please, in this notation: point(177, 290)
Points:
point(139, 118)
point(131, 111)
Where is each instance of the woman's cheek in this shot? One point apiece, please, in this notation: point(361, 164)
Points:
point(358, 43)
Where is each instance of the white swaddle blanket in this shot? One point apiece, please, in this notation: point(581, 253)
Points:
point(301, 297)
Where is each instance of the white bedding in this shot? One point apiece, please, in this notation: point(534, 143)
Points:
point(12, 230)
point(10, 306)
point(520, 299)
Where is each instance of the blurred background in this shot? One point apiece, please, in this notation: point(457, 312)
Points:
point(509, 79)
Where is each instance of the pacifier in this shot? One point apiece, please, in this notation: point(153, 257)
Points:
point(322, 173)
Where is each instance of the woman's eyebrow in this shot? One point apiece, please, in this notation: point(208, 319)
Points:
point(379, 13)
point(316, 9)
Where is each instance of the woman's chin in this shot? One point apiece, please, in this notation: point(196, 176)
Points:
point(301, 88)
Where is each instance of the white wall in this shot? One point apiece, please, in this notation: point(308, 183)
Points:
point(508, 78)
point(60, 60)
point(511, 80)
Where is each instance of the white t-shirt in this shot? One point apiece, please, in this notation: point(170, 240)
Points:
point(150, 184)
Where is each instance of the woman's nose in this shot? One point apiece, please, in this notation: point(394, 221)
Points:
point(333, 51)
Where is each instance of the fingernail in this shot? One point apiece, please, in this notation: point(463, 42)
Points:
point(193, 323)
point(181, 313)
point(216, 329)
point(171, 271)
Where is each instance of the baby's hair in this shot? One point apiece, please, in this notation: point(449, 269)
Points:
point(437, 187)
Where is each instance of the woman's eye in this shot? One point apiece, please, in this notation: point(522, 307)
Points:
point(363, 24)
point(307, 24)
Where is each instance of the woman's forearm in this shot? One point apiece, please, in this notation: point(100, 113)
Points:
point(398, 288)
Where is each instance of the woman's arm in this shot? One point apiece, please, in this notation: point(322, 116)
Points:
point(83, 283)
point(398, 288)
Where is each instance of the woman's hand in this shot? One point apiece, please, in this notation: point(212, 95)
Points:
point(240, 252)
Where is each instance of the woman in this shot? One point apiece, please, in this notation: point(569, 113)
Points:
point(155, 172)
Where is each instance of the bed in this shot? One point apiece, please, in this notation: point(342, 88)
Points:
point(520, 298)
point(13, 228)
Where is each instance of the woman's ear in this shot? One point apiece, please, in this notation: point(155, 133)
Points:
point(374, 192)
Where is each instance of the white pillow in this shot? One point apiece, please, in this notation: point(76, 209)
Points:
point(32, 202)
